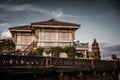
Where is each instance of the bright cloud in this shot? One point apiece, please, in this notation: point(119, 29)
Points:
point(57, 13)
point(5, 34)
point(4, 24)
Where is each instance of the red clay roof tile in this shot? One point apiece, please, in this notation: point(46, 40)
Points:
point(25, 27)
point(55, 23)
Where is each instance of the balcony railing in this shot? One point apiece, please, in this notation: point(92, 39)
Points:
point(49, 44)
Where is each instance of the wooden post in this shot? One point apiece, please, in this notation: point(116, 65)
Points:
point(46, 61)
point(61, 75)
point(115, 64)
point(93, 63)
point(80, 74)
point(104, 74)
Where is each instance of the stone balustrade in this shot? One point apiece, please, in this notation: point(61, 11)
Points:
point(13, 61)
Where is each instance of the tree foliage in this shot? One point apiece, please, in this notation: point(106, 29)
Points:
point(115, 58)
point(7, 47)
point(56, 50)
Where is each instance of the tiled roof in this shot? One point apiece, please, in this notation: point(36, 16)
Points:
point(49, 22)
point(25, 27)
point(55, 23)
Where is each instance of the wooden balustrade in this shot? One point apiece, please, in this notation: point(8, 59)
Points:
point(29, 48)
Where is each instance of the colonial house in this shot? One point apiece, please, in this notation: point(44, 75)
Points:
point(46, 34)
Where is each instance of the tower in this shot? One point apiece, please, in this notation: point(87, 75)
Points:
point(95, 50)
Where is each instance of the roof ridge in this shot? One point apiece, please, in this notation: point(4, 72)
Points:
point(55, 22)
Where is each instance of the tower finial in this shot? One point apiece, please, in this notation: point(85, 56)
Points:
point(94, 42)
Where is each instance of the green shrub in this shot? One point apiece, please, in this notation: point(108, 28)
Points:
point(56, 50)
point(71, 51)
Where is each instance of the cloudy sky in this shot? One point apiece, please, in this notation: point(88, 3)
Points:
point(99, 19)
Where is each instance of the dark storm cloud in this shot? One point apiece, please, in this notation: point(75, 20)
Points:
point(113, 48)
point(69, 3)
point(76, 7)
point(24, 11)
point(2, 21)
point(109, 48)
point(115, 3)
